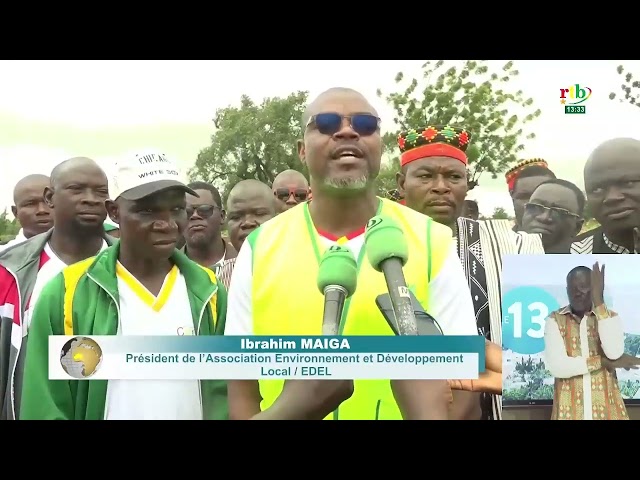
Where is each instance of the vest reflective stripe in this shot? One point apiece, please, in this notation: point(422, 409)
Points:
point(286, 300)
point(72, 275)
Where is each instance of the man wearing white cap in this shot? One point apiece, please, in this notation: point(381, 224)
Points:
point(140, 286)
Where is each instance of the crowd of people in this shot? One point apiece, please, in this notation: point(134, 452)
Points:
point(143, 253)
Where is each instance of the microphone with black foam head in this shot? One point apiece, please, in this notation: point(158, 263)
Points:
point(387, 252)
point(337, 281)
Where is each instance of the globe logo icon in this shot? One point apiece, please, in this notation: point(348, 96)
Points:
point(81, 357)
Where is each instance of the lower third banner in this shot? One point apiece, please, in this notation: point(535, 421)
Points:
point(257, 358)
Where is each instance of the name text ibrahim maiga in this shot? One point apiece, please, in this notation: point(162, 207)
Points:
point(302, 344)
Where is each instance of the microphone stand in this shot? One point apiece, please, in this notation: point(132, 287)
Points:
point(334, 298)
point(400, 298)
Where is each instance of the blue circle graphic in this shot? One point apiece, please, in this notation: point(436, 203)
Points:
point(524, 311)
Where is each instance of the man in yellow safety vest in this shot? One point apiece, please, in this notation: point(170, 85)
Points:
point(273, 289)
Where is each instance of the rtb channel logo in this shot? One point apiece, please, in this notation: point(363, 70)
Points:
point(573, 98)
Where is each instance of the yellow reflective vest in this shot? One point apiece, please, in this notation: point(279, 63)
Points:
point(286, 300)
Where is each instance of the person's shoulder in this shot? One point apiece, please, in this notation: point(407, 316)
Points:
point(71, 275)
point(19, 253)
point(416, 220)
point(584, 242)
point(559, 312)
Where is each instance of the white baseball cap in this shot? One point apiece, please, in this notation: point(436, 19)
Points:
point(143, 174)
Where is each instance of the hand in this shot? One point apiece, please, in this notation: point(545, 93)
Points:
point(493, 357)
point(488, 382)
point(628, 362)
point(597, 285)
point(313, 399)
point(636, 240)
point(491, 380)
point(422, 399)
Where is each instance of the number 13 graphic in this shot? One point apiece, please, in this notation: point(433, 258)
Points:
point(538, 312)
point(524, 311)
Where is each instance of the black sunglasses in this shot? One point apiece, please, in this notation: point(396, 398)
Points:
point(557, 214)
point(203, 211)
point(300, 194)
point(330, 123)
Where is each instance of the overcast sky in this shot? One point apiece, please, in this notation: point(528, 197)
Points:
point(54, 110)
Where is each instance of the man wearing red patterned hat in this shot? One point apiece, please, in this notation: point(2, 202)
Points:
point(522, 180)
point(433, 181)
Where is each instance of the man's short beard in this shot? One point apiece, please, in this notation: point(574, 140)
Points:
point(347, 186)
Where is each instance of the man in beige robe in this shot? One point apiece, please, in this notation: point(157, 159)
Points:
point(584, 344)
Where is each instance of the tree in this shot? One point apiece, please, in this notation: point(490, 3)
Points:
point(630, 88)
point(252, 141)
point(8, 228)
point(386, 179)
point(471, 97)
point(500, 213)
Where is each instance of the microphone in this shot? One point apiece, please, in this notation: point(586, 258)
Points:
point(337, 281)
point(426, 324)
point(387, 252)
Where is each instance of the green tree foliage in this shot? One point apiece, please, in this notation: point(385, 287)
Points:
point(630, 88)
point(500, 213)
point(8, 228)
point(252, 141)
point(386, 180)
point(470, 96)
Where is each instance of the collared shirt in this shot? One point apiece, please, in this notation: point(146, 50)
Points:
point(229, 250)
point(481, 245)
point(574, 348)
point(225, 270)
point(595, 241)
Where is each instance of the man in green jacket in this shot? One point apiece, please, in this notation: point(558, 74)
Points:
point(75, 195)
point(140, 286)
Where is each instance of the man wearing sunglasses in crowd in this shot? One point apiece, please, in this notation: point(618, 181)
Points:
point(342, 149)
point(203, 235)
point(555, 212)
point(290, 188)
point(522, 180)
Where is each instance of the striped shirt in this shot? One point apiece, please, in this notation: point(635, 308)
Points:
point(595, 241)
point(224, 271)
point(481, 248)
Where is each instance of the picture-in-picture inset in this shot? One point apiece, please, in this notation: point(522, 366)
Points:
point(571, 334)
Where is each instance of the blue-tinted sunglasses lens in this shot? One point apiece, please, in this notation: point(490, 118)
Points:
point(330, 123)
point(364, 124)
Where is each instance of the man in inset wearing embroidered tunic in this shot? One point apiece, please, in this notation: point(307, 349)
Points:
point(584, 344)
